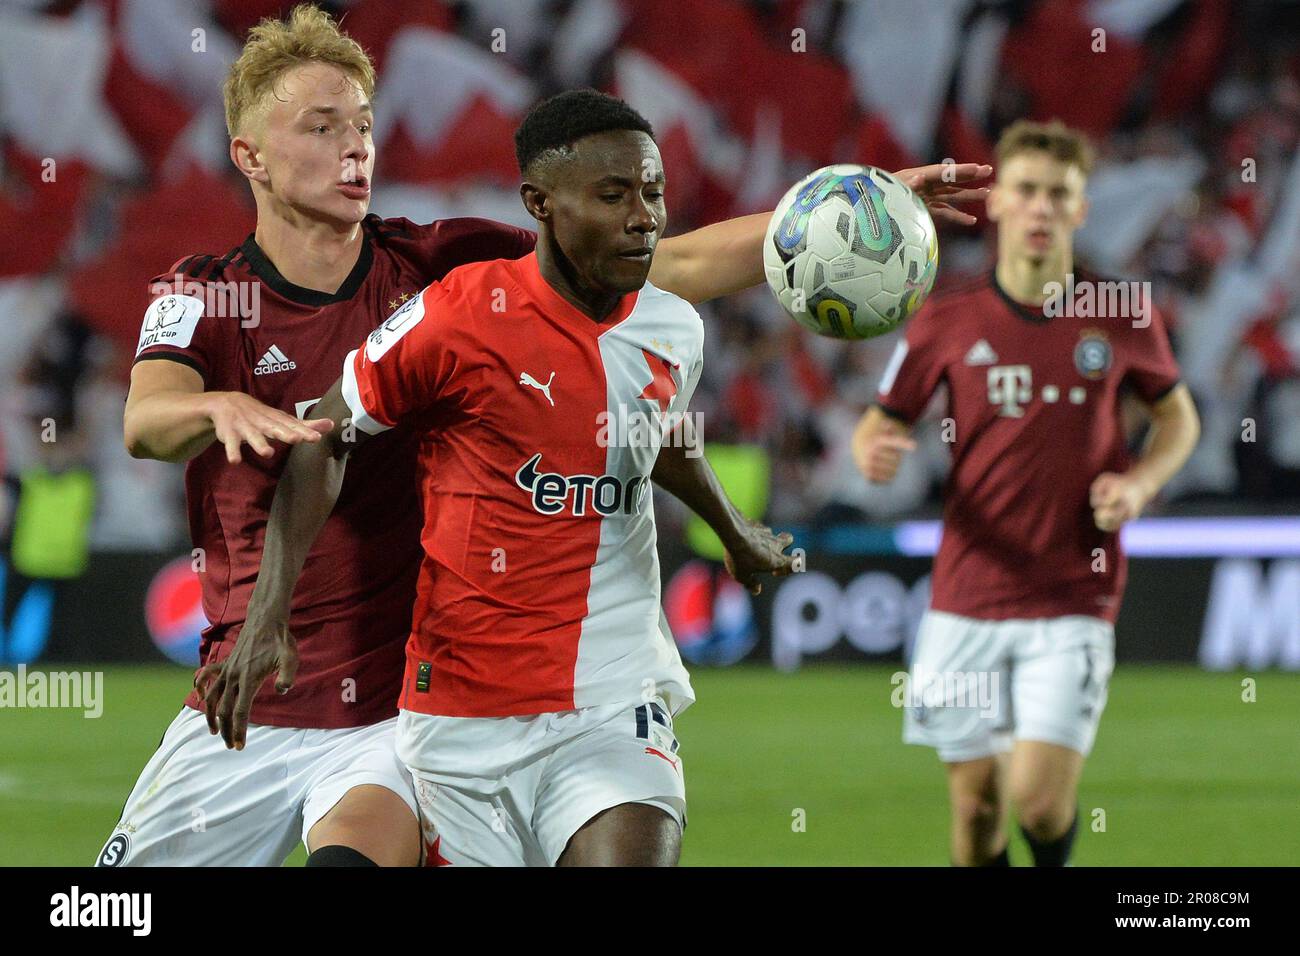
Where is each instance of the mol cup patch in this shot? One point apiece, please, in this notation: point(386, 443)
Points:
point(1092, 356)
point(170, 320)
point(397, 325)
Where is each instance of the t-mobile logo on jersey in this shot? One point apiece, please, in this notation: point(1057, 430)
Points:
point(604, 494)
point(1011, 387)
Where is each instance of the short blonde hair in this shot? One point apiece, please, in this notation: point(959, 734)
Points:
point(310, 35)
point(1054, 138)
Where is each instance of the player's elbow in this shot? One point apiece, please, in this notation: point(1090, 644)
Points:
point(1179, 415)
point(142, 444)
point(1193, 422)
point(1193, 428)
point(133, 438)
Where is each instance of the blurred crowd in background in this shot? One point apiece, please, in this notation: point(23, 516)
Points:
point(115, 164)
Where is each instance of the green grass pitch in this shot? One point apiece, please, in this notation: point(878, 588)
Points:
point(1186, 772)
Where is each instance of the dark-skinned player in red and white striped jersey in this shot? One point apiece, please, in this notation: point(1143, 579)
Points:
point(1029, 575)
point(318, 764)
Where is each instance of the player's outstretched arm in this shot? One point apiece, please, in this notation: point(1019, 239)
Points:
point(169, 417)
point(712, 261)
point(726, 257)
point(1175, 429)
point(879, 443)
point(306, 494)
point(752, 548)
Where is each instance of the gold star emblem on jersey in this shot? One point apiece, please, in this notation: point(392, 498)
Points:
point(666, 346)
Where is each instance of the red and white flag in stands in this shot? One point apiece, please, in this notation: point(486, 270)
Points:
point(52, 72)
point(449, 110)
point(374, 23)
point(703, 161)
point(39, 210)
point(168, 62)
point(901, 56)
point(781, 78)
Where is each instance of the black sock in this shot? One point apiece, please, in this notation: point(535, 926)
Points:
point(1002, 859)
point(1055, 852)
point(339, 856)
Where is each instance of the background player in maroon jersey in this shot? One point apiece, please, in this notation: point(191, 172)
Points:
point(1011, 663)
point(209, 380)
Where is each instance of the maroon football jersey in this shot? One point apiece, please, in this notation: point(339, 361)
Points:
point(1035, 407)
point(245, 328)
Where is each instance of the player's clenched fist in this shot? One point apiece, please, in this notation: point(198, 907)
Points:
point(878, 456)
point(238, 418)
point(1116, 499)
point(228, 688)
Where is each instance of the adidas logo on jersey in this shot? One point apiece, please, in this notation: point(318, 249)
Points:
point(274, 361)
point(981, 353)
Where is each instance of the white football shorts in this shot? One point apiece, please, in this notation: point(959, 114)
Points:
point(198, 804)
point(975, 686)
point(512, 791)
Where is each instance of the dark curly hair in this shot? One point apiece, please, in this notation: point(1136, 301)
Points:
point(557, 123)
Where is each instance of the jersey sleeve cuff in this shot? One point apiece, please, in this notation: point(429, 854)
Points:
point(179, 357)
point(1164, 391)
point(894, 413)
point(352, 395)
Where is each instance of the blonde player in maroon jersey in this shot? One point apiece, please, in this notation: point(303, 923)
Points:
point(209, 379)
point(1011, 663)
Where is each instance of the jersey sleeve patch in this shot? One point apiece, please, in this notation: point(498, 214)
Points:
point(170, 320)
point(397, 325)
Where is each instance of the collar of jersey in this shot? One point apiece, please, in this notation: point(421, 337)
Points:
point(1026, 312)
point(265, 270)
point(554, 304)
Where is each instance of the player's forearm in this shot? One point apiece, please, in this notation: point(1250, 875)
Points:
point(712, 261)
point(169, 426)
point(305, 496)
point(1174, 433)
point(691, 479)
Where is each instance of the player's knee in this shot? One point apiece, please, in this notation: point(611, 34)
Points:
point(375, 823)
point(976, 812)
point(1043, 813)
point(626, 835)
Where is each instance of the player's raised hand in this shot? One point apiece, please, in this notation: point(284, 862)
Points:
point(758, 551)
point(941, 184)
point(878, 456)
point(228, 687)
point(1116, 499)
point(239, 419)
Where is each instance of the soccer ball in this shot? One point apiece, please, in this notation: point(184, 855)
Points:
point(850, 252)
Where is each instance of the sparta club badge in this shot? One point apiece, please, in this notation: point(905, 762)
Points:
point(1092, 356)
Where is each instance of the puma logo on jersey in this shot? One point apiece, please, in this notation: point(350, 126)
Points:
point(526, 379)
point(981, 353)
point(552, 492)
point(274, 361)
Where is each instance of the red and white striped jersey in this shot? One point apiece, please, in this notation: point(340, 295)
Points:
point(539, 587)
